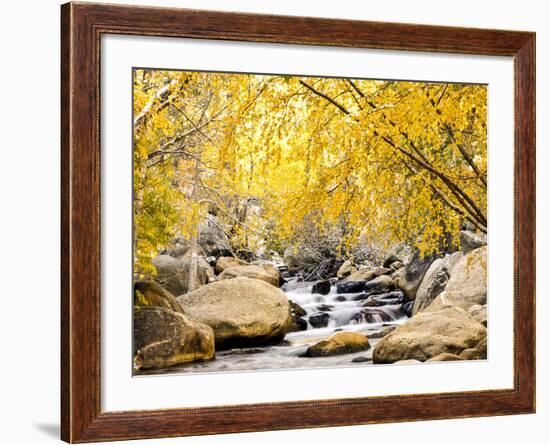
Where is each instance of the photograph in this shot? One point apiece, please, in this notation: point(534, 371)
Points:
point(285, 221)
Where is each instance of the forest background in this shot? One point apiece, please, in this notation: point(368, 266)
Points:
point(339, 167)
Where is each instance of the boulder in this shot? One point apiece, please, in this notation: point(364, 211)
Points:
point(242, 311)
point(479, 313)
point(345, 269)
point(212, 238)
point(297, 313)
point(429, 334)
point(319, 320)
point(454, 258)
point(468, 283)
point(248, 255)
point(378, 271)
point(339, 343)
point(296, 309)
point(151, 294)
point(409, 277)
point(445, 357)
point(403, 253)
point(470, 241)
point(263, 272)
point(396, 265)
point(165, 338)
point(390, 260)
point(203, 268)
point(367, 275)
point(382, 333)
point(177, 247)
point(298, 324)
point(478, 352)
point(213, 241)
point(290, 259)
point(408, 308)
point(432, 284)
point(226, 262)
point(379, 285)
point(321, 287)
point(393, 297)
point(178, 252)
point(173, 273)
point(349, 287)
point(274, 272)
point(368, 301)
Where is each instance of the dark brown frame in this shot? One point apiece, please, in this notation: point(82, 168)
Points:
point(81, 27)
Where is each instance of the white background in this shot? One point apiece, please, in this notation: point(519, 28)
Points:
point(120, 53)
point(29, 108)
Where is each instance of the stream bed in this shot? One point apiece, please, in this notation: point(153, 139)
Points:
point(325, 315)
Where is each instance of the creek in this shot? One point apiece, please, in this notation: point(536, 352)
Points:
point(325, 314)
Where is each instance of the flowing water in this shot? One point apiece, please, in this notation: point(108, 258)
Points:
point(325, 314)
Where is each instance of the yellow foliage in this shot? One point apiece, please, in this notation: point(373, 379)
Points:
point(392, 161)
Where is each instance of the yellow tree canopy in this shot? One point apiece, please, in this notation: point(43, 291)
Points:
point(389, 161)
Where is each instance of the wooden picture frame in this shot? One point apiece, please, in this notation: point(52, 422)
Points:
point(82, 25)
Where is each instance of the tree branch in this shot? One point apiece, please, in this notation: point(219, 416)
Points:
point(465, 155)
point(447, 201)
point(194, 125)
point(324, 96)
point(162, 93)
point(471, 207)
point(420, 159)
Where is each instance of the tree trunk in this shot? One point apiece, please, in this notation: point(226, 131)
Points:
point(194, 241)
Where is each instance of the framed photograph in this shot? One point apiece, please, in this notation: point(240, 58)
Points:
point(274, 222)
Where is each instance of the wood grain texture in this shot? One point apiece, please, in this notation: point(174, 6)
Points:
point(81, 416)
